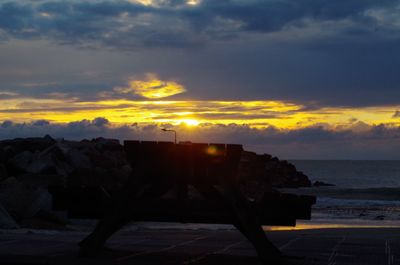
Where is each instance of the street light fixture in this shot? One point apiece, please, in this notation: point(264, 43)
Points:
point(168, 130)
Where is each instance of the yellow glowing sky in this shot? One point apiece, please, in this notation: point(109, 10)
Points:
point(145, 100)
point(254, 113)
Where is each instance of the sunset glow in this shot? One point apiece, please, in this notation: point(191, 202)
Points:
point(257, 114)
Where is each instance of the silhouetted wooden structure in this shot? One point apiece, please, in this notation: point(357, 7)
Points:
point(165, 177)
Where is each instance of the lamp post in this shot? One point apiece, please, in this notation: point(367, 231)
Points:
point(168, 130)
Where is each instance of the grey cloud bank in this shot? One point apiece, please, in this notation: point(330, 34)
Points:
point(377, 142)
point(126, 24)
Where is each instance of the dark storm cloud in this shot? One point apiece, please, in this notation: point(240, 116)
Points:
point(274, 15)
point(14, 17)
point(89, 24)
point(173, 24)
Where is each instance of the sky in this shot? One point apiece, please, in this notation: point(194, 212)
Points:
point(297, 79)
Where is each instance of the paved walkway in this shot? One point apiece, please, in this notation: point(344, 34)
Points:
point(201, 247)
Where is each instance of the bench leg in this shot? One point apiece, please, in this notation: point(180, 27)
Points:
point(120, 213)
point(105, 228)
point(249, 225)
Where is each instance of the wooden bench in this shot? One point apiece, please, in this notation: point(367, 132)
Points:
point(188, 183)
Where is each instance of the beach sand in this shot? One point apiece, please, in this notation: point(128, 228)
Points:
point(175, 246)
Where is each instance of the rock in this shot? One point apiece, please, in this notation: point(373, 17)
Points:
point(6, 221)
point(23, 200)
point(322, 184)
point(77, 159)
point(3, 172)
point(20, 162)
point(32, 144)
point(3, 155)
point(7, 152)
point(49, 138)
point(42, 180)
point(282, 174)
point(262, 173)
point(103, 161)
point(48, 161)
point(103, 144)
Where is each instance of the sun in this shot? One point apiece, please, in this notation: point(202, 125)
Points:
point(189, 122)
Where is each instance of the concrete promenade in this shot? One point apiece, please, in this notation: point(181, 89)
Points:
point(201, 247)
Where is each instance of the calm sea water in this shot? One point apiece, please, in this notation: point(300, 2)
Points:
point(352, 173)
point(365, 190)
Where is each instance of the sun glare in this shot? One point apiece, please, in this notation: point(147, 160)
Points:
point(193, 2)
point(189, 122)
point(143, 2)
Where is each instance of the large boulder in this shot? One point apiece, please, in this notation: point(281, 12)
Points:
point(77, 159)
point(6, 221)
point(3, 172)
point(22, 200)
point(20, 162)
point(32, 144)
point(103, 144)
point(262, 173)
point(49, 161)
point(29, 166)
point(42, 180)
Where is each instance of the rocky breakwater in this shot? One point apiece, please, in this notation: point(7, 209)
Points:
point(265, 173)
point(29, 166)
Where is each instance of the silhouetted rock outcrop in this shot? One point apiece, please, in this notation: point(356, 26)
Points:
point(322, 184)
point(28, 166)
point(260, 173)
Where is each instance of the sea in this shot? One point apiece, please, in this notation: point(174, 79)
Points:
point(365, 192)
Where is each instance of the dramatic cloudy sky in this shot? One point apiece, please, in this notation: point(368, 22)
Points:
point(298, 79)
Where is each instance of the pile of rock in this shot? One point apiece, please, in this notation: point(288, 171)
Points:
point(262, 173)
point(29, 166)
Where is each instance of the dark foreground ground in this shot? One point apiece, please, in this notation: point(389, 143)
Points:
point(202, 247)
